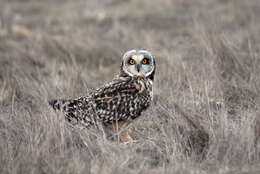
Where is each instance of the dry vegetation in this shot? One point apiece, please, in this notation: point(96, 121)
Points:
point(205, 116)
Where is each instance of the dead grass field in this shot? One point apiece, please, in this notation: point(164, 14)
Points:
point(205, 116)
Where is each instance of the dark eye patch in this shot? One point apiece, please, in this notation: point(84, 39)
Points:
point(145, 61)
point(131, 61)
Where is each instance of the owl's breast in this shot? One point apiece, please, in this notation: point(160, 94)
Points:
point(143, 97)
point(126, 100)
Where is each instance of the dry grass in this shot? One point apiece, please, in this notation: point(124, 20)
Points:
point(205, 117)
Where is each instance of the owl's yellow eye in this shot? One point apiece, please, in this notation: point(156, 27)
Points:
point(131, 61)
point(144, 61)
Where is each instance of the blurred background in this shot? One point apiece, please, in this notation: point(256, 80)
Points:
point(94, 35)
point(206, 88)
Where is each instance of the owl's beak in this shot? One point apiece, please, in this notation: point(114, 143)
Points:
point(138, 67)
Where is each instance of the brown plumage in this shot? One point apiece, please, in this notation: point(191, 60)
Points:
point(123, 99)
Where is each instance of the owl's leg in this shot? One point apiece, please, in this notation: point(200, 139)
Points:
point(124, 137)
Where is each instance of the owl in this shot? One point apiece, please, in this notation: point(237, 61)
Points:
point(118, 102)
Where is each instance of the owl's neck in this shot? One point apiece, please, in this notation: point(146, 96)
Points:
point(123, 74)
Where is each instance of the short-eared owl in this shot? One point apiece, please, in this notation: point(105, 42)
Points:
point(123, 99)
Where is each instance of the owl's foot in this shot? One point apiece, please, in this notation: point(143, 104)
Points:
point(123, 136)
point(126, 138)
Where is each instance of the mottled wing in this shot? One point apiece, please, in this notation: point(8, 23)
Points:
point(120, 100)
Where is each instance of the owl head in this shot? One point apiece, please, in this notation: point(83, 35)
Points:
point(138, 63)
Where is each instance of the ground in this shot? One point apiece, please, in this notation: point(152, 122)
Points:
point(205, 114)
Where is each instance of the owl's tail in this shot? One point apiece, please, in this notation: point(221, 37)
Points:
point(59, 104)
point(66, 106)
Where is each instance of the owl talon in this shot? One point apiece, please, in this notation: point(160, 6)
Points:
point(126, 138)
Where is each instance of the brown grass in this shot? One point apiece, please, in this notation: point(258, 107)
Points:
point(205, 116)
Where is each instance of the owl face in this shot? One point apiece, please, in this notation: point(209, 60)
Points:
point(138, 63)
